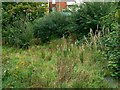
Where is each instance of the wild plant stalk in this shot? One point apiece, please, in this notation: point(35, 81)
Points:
point(95, 40)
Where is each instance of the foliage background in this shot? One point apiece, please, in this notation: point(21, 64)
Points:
point(12, 11)
point(17, 22)
point(89, 16)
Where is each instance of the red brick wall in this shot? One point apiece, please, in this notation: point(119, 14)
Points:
point(63, 5)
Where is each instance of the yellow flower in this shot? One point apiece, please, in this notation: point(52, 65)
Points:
point(117, 14)
point(17, 67)
point(21, 63)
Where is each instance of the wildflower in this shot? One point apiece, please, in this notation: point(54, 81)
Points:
point(17, 67)
point(22, 62)
point(17, 55)
point(71, 45)
point(5, 71)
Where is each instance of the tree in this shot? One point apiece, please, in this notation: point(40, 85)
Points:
point(12, 11)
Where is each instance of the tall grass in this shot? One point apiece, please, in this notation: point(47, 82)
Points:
point(61, 64)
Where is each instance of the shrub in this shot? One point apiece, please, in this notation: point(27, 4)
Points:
point(12, 11)
point(113, 53)
point(89, 14)
point(51, 26)
point(111, 42)
point(18, 35)
point(16, 17)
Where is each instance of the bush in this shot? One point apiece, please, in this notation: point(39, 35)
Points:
point(18, 35)
point(112, 52)
point(51, 26)
point(89, 15)
point(12, 11)
point(111, 42)
point(17, 28)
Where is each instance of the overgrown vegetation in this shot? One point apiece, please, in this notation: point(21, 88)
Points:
point(60, 51)
point(112, 42)
point(89, 16)
point(19, 35)
point(51, 26)
point(12, 11)
point(58, 65)
point(17, 22)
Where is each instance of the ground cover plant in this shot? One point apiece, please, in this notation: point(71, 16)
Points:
point(62, 66)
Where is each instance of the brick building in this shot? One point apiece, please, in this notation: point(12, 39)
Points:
point(60, 5)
